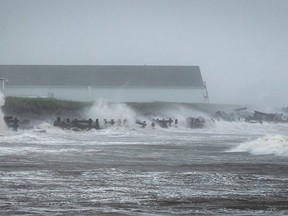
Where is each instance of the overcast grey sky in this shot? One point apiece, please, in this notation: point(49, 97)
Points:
point(240, 45)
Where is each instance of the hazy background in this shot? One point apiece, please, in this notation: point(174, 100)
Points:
point(240, 45)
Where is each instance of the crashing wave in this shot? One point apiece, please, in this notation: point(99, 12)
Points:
point(2, 123)
point(269, 144)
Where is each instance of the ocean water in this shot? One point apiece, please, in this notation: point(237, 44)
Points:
point(227, 168)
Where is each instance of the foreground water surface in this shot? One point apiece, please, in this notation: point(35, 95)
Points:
point(225, 169)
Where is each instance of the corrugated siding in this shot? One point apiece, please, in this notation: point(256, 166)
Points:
point(187, 95)
point(109, 76)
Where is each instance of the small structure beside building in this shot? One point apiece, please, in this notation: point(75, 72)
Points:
point(117, 83)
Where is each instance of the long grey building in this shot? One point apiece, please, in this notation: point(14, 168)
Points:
point(117, 83)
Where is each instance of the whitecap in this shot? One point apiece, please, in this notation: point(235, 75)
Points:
point(269, 144)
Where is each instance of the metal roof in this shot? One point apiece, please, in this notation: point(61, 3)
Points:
point(105, 75)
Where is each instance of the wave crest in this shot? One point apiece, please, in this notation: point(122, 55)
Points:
point(269, 144)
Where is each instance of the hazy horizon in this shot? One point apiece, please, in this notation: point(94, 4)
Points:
point(240, 45)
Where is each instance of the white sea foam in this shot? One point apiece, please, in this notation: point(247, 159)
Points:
point(32, 137)
point(224, 127)
point(269, 144)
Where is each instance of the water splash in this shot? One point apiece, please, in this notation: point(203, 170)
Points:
point(179, 112)
point(269, 144)
point(2, 123)
point(104, 110)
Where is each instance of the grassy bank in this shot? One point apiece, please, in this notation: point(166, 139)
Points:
point(40, 106)
point(20, 106)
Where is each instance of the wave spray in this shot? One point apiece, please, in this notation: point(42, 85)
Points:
point(2, 123)
point(104, 110)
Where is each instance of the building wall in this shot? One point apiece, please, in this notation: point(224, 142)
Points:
point(187, 95)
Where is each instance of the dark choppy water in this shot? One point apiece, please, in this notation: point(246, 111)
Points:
point(225, 169)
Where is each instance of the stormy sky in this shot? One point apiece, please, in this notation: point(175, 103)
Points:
point(241, 46)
